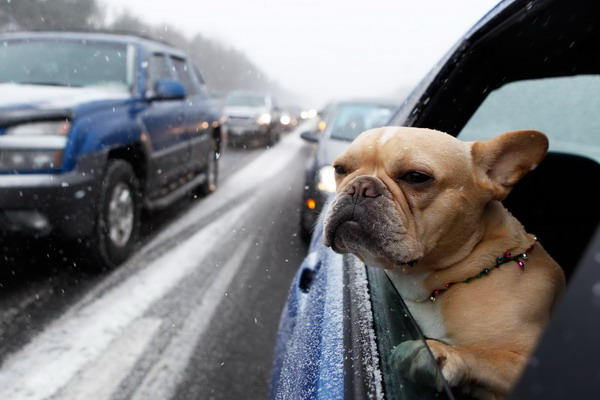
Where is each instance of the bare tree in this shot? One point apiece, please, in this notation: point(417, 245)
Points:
point(224, 68)
point(46, 14)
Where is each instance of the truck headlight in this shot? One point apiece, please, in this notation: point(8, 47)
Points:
point(264, 119)
point(33, 146)
point(326, 179)
point(60, 128)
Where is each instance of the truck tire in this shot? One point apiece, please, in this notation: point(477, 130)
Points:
point(211, 170)
point(117, 216)
point(272, 138)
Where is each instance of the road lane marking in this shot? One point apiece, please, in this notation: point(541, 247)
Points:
point(162, 380)
point(55, 356)
point(102, 378)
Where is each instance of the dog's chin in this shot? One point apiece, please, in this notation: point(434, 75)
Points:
point(342, 239)
point(350, 237)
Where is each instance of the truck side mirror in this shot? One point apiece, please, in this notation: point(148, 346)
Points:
point(311, 136)
point(168, 89)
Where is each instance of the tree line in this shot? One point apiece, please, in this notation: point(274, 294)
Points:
point(223, 68)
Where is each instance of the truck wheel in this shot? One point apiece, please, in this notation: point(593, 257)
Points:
point(118, 216)
point(212, 172)
point(274, 137)
point(271, 138)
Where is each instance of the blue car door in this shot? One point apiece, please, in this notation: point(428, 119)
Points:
point(164, 120)
point(197, 119)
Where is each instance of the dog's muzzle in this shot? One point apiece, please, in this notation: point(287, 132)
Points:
point(349, 210)
point(363, 219)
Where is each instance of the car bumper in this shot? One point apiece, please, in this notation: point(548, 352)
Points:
point(39, 204)
point(245, 134)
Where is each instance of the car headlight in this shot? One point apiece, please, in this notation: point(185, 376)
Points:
point(326, 179)
point(33, 146)
point(285, 120)
point(264, 119)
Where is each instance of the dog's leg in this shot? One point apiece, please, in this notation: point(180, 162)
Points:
point(489, 373)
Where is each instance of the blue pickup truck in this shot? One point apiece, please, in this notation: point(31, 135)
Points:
point(93, 128)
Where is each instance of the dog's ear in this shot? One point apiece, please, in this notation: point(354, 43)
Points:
point(506, 158)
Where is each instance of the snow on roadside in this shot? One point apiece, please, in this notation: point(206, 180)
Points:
point(68, 345)
point(162, 380)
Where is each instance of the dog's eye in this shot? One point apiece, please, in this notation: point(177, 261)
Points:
point(339, 169)
point(415, 178)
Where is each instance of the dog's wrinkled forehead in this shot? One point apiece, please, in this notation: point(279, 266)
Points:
point(390, 145)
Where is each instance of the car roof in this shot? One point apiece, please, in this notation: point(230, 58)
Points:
point(130, 38)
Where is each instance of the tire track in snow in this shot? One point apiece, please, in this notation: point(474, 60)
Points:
point(164, 377)
point(102, 377)
point(73, 342)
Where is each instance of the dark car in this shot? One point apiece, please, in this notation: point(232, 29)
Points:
point(341, 123)
point(93, 127)
point(526, 65)
point(252, 117)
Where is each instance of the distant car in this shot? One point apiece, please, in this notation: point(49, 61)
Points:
point(93, 127)
point(339, 126)
point(526, 65)
point(287, 120)
point(252, 117)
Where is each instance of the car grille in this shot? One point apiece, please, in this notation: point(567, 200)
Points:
point(240, 120)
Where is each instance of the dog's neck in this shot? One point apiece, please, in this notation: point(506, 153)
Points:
point(499, 232)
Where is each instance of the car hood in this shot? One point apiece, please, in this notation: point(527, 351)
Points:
point(14, 96)
point(330, 149)
point(239, 111)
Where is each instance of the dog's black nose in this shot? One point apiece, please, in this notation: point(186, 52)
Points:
point(363, 187)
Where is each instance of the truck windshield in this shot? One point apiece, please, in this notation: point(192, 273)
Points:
point(67, 63)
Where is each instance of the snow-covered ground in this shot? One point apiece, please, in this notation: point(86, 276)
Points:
point(91, 349)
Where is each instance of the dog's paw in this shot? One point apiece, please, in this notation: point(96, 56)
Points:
point(414, 358)
point(449, 361)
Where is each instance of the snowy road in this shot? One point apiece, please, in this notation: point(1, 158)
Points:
point(191, 315)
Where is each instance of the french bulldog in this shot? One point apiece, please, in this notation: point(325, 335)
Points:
point(427, 208)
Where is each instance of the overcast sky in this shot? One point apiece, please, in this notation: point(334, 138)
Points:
point(325, 48)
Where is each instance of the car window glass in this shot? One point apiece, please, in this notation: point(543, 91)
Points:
point(394, 325)
point(157, 69)
point(564, 108)
point(352, 119)
point(66, 63)
point(245, 100)
point(184, 74)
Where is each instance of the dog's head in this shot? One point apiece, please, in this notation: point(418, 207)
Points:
point(408, 195)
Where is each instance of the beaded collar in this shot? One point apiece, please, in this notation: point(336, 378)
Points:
point(507, 257)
